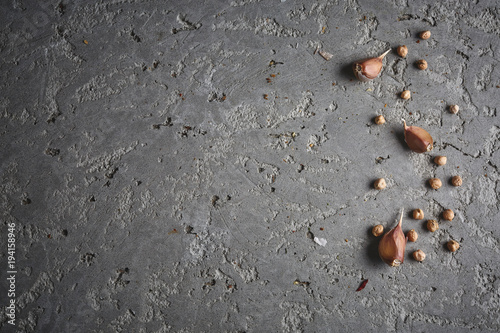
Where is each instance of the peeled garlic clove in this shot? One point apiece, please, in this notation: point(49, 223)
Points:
point(392, 245)
point(368, 69)
point(418, 139)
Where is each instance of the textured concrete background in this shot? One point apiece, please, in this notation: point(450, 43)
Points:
point(163, 162)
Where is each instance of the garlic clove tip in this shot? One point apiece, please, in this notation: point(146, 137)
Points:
point(384, 54)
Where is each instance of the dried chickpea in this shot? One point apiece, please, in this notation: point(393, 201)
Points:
point(425, 34)
point(435, 183)
point(421, 64)
point(456, 181)
point(419, 255)
point(406, 94)
point(378, 230)
point(412, 235)
point(440, 160)
point(454, 109)
point(448, 214)
point(379, 184)
point(379, 120)
point(432, 225)
point(402, 51)
point(452, 245)
point(418, 214)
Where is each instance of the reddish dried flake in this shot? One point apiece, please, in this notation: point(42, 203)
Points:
point(362, 285)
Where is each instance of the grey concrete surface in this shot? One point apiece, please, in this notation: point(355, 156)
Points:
point(162, 163)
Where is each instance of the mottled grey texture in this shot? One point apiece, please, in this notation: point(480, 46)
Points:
point(163, 162)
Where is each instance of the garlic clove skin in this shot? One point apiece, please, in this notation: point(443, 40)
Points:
point(418, 139)
point(368, 69)
point(391, 248)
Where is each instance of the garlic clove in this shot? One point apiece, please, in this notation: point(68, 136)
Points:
point(418, 139)
point(368, 69)
point(391, 248)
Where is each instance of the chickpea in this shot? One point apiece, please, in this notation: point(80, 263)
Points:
point(402, 51)
point(406, 94)
point(454, 109)
point(379, 120)
point(418, 214)
point(435, 183)
point(419, 255)
point(412, 235)
point(456, 181)
point(440, 160)
point(452, 245)
point(448, 214)
point(378, 230)
point(421, 64)
point(432, 225)
point(380, 184)
point(425, 34)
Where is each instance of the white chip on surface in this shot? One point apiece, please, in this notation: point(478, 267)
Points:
point(325, 55)
point(320, 241)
